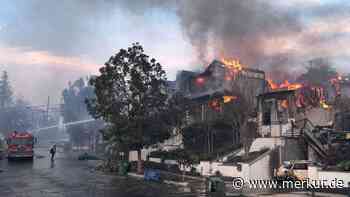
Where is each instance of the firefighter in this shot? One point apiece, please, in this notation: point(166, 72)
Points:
point(53, 152)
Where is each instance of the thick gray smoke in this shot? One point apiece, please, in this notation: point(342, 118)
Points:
point(228, 28)
point(235, 29)
point(232, 29)
point(246, 30)
point(215, 28)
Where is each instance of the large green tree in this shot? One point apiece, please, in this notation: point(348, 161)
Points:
point(131, 95)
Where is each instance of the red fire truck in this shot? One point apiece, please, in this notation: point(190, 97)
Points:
point(20, 145)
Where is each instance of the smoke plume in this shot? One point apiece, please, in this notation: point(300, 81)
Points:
point(260, 33)
point(235, 29)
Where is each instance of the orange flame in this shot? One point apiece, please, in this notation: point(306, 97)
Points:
point(232, 64)
point(336, 84)
point(228, 99)
point(272, 84)
point(285, 85)
point(284, 104)
point(324, 105)
point(233, 68)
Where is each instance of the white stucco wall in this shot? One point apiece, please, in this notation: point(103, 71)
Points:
point(172, 162)
point(261, 168)
point(316, 173)
point(275, 130)
point(234, 153)
point(207, 168)
point(172, 143)
point(312, 172)
point(156, 160)
point(133, 156)
point(258, 169)
point(329, 176)
point(144, 154)
point(261, 143)
point(229, 171)
point(290, 148)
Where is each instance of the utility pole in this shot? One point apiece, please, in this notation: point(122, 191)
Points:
point(47, 109)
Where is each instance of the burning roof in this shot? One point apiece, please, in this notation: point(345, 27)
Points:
point(341, 86)
point(229, 68)
point(223, 82)
point(285, 85)
point(307, 95)
point(222, 76)
point(304, 97)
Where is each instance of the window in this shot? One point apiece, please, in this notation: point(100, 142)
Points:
point(267, 113)
point(283, 111)
point(21, 141)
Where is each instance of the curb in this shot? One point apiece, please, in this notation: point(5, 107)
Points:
point(139, 176)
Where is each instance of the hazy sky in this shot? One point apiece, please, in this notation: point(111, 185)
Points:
point(46, 43)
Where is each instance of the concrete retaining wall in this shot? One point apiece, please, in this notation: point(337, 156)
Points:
point(171, 162)
point(290, 147)
point(270, 143)
point(259, 168)
point(155, 160)
point(144, 154)
point(207, 168)
point(315, 173)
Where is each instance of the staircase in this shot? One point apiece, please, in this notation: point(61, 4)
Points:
point(199, 188)
point(227, 156)
point(307, 130)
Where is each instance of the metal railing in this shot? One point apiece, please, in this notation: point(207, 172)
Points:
point(307, 130)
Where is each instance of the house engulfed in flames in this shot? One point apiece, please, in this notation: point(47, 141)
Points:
point(288, 113)
point(283, 110)
point(225, 77)
point(279, 109)
point(221, 83)
point(288, 102)
point(341, 86)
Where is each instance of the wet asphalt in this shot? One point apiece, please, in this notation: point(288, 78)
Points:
point(69, 177)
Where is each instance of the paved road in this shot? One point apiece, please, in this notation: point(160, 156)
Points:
point(68, 177)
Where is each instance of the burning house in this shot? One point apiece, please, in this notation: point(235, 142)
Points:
point(279, 109)
point(286, 118)
point(341, 86)
point(220, 85)
point(222, 82)
point(221, 76)
point(345, 87)
point(292, 119)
